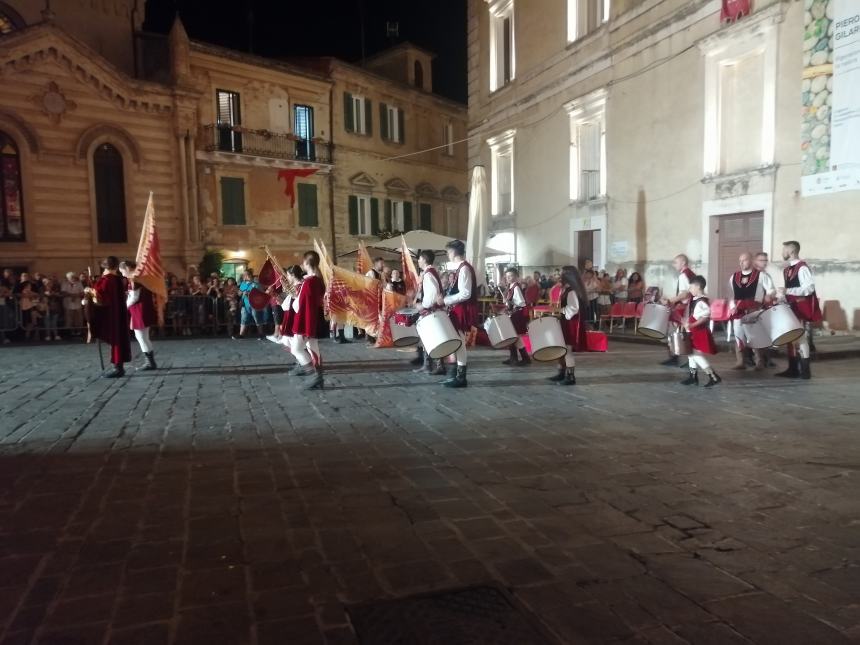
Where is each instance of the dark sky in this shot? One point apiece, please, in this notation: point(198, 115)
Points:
point(327, 28)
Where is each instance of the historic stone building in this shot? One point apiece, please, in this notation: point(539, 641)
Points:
point(240, 151)
point(629, 131)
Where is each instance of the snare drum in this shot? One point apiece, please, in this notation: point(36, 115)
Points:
point(680, 343)
point(655, 321)
point(500, 331)
point(783, 326)
point(407, 316)
point(438, 335)
point(402, 335)
point(756, 334)
point(547, 339)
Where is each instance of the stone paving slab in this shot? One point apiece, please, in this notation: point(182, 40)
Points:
point(214, 501)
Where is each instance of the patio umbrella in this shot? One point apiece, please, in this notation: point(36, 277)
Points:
point(476, 240)
point(420, 241)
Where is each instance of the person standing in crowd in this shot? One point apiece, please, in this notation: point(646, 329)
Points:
point(30, 305)
point(532, 291)
point(8, 318)
point(52, 299)
point(635, 288)
point(231, 302)
point(111, 324)
point(249, 314)
point(427, 299)
point(799, 292)
point(141, 312)
point(619, 286)
point(592, 293)
point(679, 301)
point(462, 303)
point(73, 292)
point(397, 284)
point(197, 297)
point(573, 324)
point(515, 304)
point(309, 324)
point(697, 324)
point(213, 295)
point(748, 293)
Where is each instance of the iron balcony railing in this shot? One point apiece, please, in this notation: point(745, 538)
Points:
point(264, 143)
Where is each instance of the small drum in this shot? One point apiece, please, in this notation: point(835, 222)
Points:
point(756, 334)
point(438, 335)
point(679, 343)
point(402, 335)
point(407, 316)
point(547, 339)
point(782, 324)
point(655, 321)
point(500, 331)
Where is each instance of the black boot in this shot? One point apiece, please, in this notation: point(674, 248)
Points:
point(452, 374)
point(298, 370)
point(316, 380)
point(805, 374)
point(419, 358)
point(524, 357)
point(512, 358)
point(569, 377)
point(713, 379)
point(558, 377)
point(439, 370)
point(749, 356)
point(116, 372)
point(692, 379)
point(792, 371)
point(150, 362)
point(459, 378)
point(672, 361)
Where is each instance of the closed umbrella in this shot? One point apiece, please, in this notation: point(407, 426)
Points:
point(476, 240)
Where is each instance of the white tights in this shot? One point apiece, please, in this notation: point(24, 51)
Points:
point(569, 358)
point(142, 336)
point(306, 350)
point(460, 354)
point(699, 361)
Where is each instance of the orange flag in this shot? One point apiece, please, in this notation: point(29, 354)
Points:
point(410, 273)
point(150, 271)
point(363, 263)
point(353, 299)
point(391, 302)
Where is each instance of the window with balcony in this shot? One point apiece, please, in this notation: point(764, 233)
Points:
point(303, 129)
point(502, 50)
point(502, 174)
point(228, 118)
point(391, 123)
point(585, 16)
point(588, 148)
point(357, 116)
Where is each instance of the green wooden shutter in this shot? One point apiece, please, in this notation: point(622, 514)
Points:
point(407, 216)
point(368, 117)
point(233, 201)
point(348, 115)
point(374, 216)
point(425, 217)
point(383, 121)
point(308, 214)
point(387, 220)
point(401, 126)
point(353, 215)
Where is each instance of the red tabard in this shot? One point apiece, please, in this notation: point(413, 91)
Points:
point(574, 331)
point(111, 317)
point(805, 307)
point(142, 313)
point(464, 315)
point(310, 320)
point(286, 327)
point(519, 317)
point(701, 337)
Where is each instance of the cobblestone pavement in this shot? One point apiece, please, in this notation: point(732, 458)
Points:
point(215, 502)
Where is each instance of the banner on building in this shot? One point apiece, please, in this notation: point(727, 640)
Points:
point(734, 9)
point(830, 126)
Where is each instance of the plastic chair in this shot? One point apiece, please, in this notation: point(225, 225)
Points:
point(615, 311)
point(628, 313)
point(555, 295)
point(720, 314)
point(640, 307)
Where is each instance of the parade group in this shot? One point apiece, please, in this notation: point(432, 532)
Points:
point(442, 320)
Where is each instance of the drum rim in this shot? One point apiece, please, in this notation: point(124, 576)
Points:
point(555, 357)
point(433, 352)
point(787, 337)
point(505, 343)
point(651, 333)
point(412, 340)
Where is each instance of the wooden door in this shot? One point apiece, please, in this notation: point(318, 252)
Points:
point(584, 248)
point(732, 235)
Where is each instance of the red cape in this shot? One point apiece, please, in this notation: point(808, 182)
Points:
point(111, 317)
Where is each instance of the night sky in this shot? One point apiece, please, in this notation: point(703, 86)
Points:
point(283, 28)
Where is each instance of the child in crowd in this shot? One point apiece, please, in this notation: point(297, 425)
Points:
point(697, 325)
point(573, 323)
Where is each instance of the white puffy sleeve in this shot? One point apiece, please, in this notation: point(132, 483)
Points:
point(571, 305)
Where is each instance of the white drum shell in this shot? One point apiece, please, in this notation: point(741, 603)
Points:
point(500, 331)
point(438, 335)
point(655, 321)
point(756, 333)
point(547, 339)
point(783, 326)
point(401, 335)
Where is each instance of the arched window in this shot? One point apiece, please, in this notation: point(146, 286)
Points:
point(9, 19)
point(419, 75)
point(110, 194)
point(11, 206)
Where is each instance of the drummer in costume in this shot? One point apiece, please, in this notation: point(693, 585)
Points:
point(293, 276)
point(515, 302)
point(431, 289)
point(748, 293)
point(799, 292)
point(760, 262)
point(462, 303)
point(141, 311)
point(679, 302)
point(573, 324)
point(697, 324)
point(309, 324)
point(111, 315)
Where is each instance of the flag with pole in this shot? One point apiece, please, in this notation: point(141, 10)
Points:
point(363, 263)
point(410, 273)
point(150, 270)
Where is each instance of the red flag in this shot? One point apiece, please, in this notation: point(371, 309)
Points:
point(734, 9)
point(149, 271)
point(289, 176)
point(410, 273)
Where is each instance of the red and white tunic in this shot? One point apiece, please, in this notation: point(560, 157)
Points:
point(701, 337)
point(289, 305)
point(431, 287)
point(748, 292)
point(309, 320)
point(573, 326)
point(800, 291)
point(462, 299)
point(517, 307)
point(682, 285)
point(141, 306)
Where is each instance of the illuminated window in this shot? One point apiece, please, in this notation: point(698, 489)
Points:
point(11, 203)
point(584, 16)
point(502, 49)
